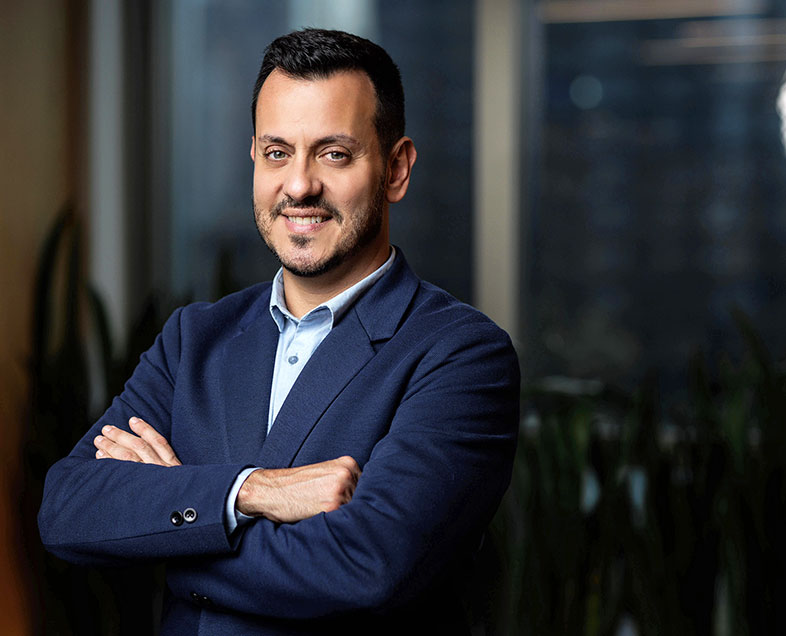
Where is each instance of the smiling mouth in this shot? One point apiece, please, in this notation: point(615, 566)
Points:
point(307, 220)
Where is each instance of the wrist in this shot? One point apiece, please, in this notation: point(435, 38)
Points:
point(251, 494)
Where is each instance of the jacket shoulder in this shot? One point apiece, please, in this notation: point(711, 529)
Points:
point(234, 310)
point(433, 304)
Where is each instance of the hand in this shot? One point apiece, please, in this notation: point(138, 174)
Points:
point(286, 495)
point(148, 446)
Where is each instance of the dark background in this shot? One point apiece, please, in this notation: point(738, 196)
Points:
point(649, 312)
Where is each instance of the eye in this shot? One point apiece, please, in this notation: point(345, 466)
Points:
point(336, 156)
point(276, 155)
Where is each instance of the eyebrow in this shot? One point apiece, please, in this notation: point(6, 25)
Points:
point(273, 140)
point(323, 141)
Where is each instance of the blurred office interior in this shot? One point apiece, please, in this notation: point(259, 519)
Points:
point(605, 178)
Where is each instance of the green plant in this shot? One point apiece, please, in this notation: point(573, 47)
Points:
point(619, 512)
point(73, 600)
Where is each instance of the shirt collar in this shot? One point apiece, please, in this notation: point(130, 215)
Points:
point(336, 306)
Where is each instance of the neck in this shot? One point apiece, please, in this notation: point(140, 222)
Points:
point(302, 294)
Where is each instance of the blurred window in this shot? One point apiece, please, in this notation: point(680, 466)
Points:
point(658, 185)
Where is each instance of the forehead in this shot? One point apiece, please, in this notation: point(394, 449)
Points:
point(343, 100)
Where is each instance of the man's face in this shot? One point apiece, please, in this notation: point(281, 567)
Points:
point(319, 176)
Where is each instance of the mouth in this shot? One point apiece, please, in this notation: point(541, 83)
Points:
point(306, 220)
point(305, 224)
point(306, 214)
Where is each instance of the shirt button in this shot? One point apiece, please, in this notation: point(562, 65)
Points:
point(292, 359)
point(190, 515)
point(176, 518)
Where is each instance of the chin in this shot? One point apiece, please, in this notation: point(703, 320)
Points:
point(311, 268)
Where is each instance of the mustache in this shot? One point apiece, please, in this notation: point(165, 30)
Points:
point(308, 203)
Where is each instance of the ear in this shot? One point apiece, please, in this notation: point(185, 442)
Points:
point(253, 147)
point(400, 162)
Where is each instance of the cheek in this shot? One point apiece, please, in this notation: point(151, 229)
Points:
point(356, 194)
point(262, 187)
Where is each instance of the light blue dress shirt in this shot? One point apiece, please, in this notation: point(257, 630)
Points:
point(297, 341)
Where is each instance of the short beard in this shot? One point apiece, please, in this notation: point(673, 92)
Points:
point(351, 244)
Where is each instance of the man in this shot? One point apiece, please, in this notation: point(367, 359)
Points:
point(321, 453)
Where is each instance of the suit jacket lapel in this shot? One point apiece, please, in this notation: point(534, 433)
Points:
point(246, 380)
point(335, 362)
point(381, 310)
point(343, 353)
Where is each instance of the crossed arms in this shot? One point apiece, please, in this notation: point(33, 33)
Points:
point(432, 422)
point(283, 495)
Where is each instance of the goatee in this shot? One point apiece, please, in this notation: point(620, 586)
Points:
point(360, 229)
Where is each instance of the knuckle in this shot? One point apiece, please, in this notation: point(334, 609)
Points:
point(158, 440)
point(153, 434)
point(339, 494)
point(125, 455)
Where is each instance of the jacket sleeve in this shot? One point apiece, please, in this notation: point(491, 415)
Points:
point(112, 512)
point(427, 491)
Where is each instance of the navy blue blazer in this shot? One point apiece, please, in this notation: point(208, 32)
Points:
point(422, 390)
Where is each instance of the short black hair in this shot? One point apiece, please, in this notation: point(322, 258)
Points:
point(319, 53)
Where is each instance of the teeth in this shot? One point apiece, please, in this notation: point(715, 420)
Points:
point(305, 220)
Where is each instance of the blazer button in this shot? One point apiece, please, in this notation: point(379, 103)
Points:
point(201, 600)
point(190, 515)
point(176, 518)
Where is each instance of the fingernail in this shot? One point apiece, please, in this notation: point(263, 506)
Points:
point(106, 429)
point(99, 439)
point(133, 420)
point(100, 453)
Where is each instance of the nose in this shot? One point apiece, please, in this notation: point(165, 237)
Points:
point(302, 180)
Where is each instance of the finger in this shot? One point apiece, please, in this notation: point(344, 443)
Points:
point(109, 449)
point(156, 441)
point(350, 490)
point(138, 447)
